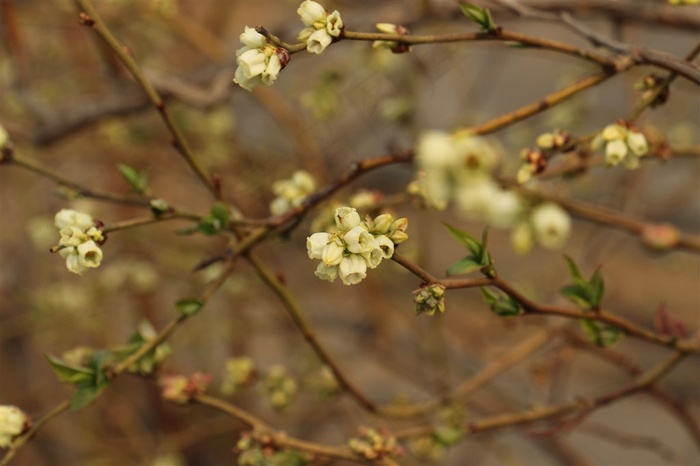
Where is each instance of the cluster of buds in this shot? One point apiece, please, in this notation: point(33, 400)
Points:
point(179, 389)
point(292, 192)
point(80, 240)
point(356, 245)
point(430, 298)
point(13, 422)
point(259, 61)
point(258, 448)
point(238, 373)
point(324, 383)
point(395, 29)
point(557, 139)
point(281, 387)
point(534, 161)
point(622, 143)
point(374, 446)
point(649, 86)
point(547, 225)
point(321, 27)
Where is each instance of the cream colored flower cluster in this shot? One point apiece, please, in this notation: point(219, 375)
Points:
point(459, 168)
point(259, 61)
point(80, 240)
point(321, 27)
point(622, 144)
point(356, 246)
point(292, 192)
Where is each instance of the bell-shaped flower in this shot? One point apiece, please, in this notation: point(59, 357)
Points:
point(311, 12)
point(252, 38)
point(68, 217)
point(72, 236)
point(352, 269)
point(90, 254)
point(615, 152)
point(318, 41)
point(346, 218)
point(316, 243)
point(334, 24)
point(436, 149)
point(637, 143)
point(551, 225)
point(385, 245)
point(505, 209)
point(325, 272)
point(333, 253)
point(74, 262)
point(358, 240)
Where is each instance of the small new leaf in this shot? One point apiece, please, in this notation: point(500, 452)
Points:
point(465, 239)
point(601, 334)
point(216, 221)
point(479, 15)
point(448, 435)
point(68, 373)
point(464, 266)
point(85, 395)
point(189, 307)
point(587, 294)
point(504, 306)
point(138, 180)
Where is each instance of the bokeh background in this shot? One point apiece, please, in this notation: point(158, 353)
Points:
point(69, 104)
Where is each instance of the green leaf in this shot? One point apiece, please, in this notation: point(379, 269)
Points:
point(70, 374)
point(585, 293)
point(503, 306)
point(466, 240)
point(138, 180)
point(189, 307)
point(216, 221)
point(159, 207)
point(601, 334)
point(464, 266)
point(574, 272)
point(577, 295)
point(85, 395)
point(479, 15)
point(597, 288)
point(448, 436)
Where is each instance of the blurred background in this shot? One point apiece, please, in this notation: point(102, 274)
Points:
point(69, 104)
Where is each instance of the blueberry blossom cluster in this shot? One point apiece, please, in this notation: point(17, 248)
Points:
point(292, 192)
point(460, 168)
point(321, 27)
point(80, 240)
point(259, 61)
point(622, 144)
point(356, 245)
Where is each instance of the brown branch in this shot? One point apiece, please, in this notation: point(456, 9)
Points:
point(90, 18)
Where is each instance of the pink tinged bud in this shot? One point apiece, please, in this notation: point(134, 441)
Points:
point(661, 236)
point(174, 388)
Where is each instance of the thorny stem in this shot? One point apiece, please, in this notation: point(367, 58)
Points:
point(90, 18)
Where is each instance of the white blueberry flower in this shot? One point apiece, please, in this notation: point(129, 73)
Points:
point(12, 423)
point(615, 152)
point(505, 209)
point(385, 245)
point(475, 154)
point(436, 149)
point(614, 132)
point(311, 12)
point(258, 61)
point(292, 192)
point(333, 253)
point(90, 254)
point(68, 217)
point(637, 143)
point(474, 195)
point(318, 41)
point(327, 273)
point(74, 263)
point(72, 236)
point(316, 243)
point(352, 269)
point(346, 218)
point(551, 225)
point(334, 24)
point(359, 240)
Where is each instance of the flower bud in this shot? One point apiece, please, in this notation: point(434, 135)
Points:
point(429, 299)
point(637, 143)
point(346, 218)
point(332, 253)
point(358, 240)
point(382, 223)
point(316, 243)
point(615, 152)
point(13, 421)
point(311, 12)
point(660, 236)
